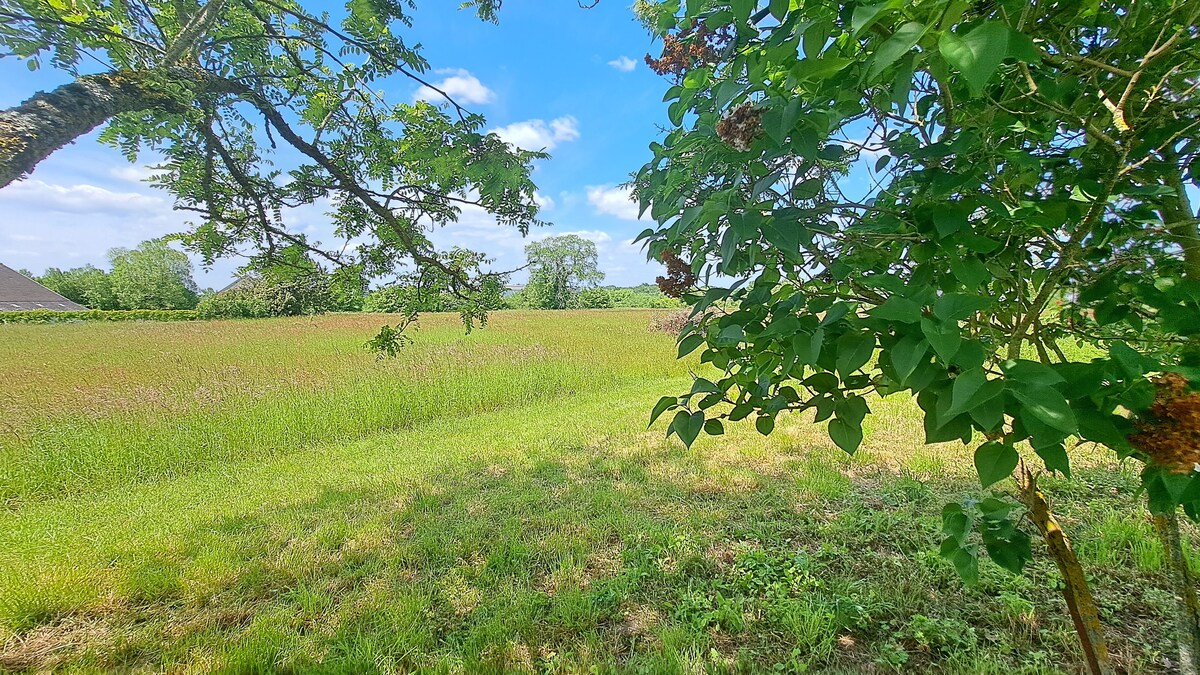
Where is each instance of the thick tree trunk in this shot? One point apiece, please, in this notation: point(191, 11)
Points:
point(34, 130)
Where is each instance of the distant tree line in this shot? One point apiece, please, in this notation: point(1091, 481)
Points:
point(563, 274)
point(151, 276)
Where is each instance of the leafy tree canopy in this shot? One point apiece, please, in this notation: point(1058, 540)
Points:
point(559, 269)
point(152, 276)
point(89, 286)
point(928, 197)
point(259, 106)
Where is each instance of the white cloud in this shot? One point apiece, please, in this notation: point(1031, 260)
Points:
point(81, 198)
point(538, 135)
point(613, 201)
point(544, 202)
point(461, 85)
point(133, 174)
point(594, 236)
point(48, 224)
point(623, 64)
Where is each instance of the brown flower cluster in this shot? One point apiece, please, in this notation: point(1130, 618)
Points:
point(739, 129)
point(690, 47)
point(1169, 432)
point(680, 277)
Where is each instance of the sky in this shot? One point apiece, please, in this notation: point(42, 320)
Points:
point(551, 75)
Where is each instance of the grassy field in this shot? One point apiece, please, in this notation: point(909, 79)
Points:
point(263, 496)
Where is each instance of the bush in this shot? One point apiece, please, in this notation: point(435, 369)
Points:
point(235, 303)
point(646, 296)
point(594, 298)
point(51, 316)
point(405, 299)
point(260, 298)
point(670, 322)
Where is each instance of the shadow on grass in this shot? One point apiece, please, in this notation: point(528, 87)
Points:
point(650, 561)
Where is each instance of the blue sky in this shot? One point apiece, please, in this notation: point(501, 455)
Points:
point(549, 75)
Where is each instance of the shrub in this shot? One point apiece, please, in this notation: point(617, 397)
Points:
point(594, 298)
point(235, 303)
point(670, 322)
point(51, 316)
point(645, 296)
point(406, 299)
point(259, 298)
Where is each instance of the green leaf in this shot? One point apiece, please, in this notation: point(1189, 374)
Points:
point(714, 427)
point(725, 93)
point(687, 426)
point(988, 411)
point(953, 307)
point(956, 524)
point(1011, 551)
point(994, 461)
point(897, 308)
point(696, 78)
point(854, 350)
point(742, 8)
point(835, 313)
point(908, 354)
point(807, 189)
point(1102, 428)
point(969, 270)
point(1049, 406)
point(790, 115)
point(808, 347)
point(944, 338)
point(765, 424)
point(664, 404)
point(951, 218)
point(731, 335)
point(1021, 47)
point(1130, 361)
point(783, 234)
point(845, 434)
point(820, 68)
point(866, 15)
point(689, 344)
point(853, 409)
point(995, 509)
point(822, 382)
point(1055, 457)
point(779, 9)
point(964, 558)
point(896, 46)
point(1032, 373)
point(977, 54)
point(964, 389)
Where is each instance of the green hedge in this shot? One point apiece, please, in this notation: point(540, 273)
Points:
point(51, 316)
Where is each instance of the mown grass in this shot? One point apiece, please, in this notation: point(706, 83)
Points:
point(262, 496)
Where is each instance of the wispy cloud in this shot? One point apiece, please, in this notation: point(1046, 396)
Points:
point(613, 201)
point(623, 64)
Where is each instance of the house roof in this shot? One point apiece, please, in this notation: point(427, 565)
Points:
point(243, 281)
point(20, 293)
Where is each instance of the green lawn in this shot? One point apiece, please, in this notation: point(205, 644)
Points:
point(264, 496)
